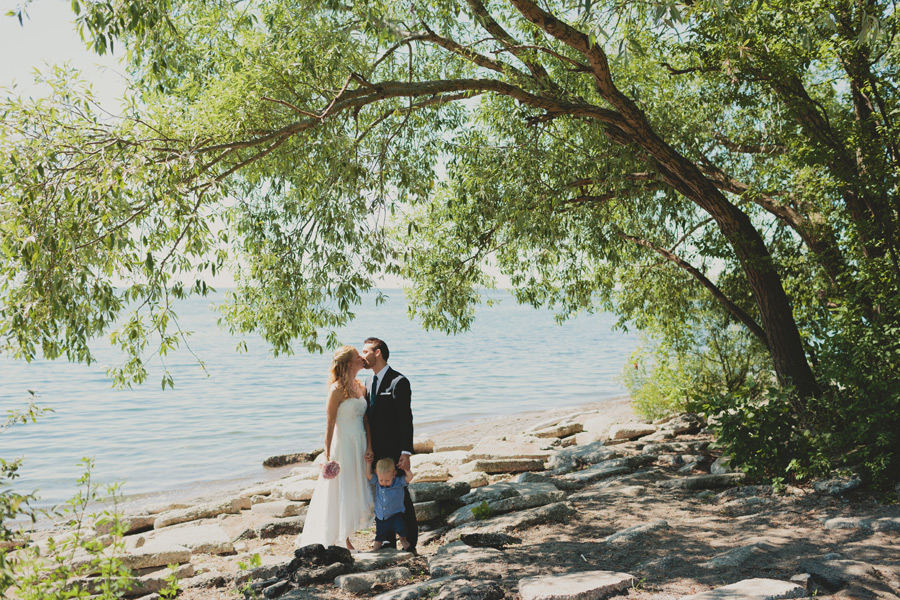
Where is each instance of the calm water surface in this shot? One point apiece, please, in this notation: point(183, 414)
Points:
point(221, 424)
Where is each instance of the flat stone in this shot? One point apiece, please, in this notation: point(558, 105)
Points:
point(452, 458)
point(371, 561)
point(578, 457)
point(596, 473)
point(458, 558)
point(558, 512)
point(675, 448)
point(559, 483)
point(280, 509)
point(428, 492)
point(360, 583)
point(279, 527)
point(131, 524)
point(453, 446)
point(156, 555)
point(475, 479)
point(836, 487)
point(207, 538)
point(505, 505)
point(161, 507)
point(154, 581)
point(737, 556)
point(428, 511)
point(431, 473)
point(425, 589)
point(631, 533)
point(689, 423)
point(886, 524)
point(752, 589)
point(558, 431)
point(704, 482)
point(201, 511)
point(263, 489)
point(585, 585)
point(488, 540)
point(507, 465)
point(295, 488)
point(210, 579)
point(511, 447)
point(848, 523)
point(289, 459)
point(630, 431)
point(506, 489)
point(746, 506)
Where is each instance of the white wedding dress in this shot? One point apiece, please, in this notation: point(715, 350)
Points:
point(343, 505)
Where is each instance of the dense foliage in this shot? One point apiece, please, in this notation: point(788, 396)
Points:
point(723, 174)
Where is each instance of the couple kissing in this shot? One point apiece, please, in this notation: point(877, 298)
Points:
point(365, 423)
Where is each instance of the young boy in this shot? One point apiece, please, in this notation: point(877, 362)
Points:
point(388, 502)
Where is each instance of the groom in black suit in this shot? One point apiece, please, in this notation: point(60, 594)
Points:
point(390, 419)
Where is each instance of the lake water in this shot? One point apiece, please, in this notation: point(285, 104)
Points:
point(220, 425)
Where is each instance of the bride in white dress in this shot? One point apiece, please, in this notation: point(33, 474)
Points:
point(343, 505)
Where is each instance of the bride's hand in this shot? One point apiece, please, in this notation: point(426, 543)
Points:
point(369, 456)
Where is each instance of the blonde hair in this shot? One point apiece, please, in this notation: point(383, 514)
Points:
point(340, 369)
point(384, 466)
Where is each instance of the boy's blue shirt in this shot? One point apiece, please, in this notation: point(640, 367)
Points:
point(389, 500)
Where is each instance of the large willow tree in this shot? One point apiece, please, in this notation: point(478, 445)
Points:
point(657, 158)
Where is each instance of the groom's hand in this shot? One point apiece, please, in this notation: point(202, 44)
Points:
point(403, 463)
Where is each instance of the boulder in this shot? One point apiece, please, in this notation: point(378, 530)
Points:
point(431, 473)
point(428, 492)
point(289, 459)
point(704, 482)
point(425, 589)
point(583, 585)
point(637, 531)
point(505, 465)
point(278, 527)
point(685, 423)
point(721, 466)
point(746, 506)
point(295, 488)
point(838, 486)
point(208, 580)
point(131, 524)
point(201, 511)
point(886, 524)
point(752, 589)
point(360, 583)
point(280, 509)
point(559, 483)
point(848, 523)
point(630, 431)
point(371, 561)
point(737, 556)
point(153, 581)
point(494, 540)
point(505, 489)
point(596, 473)
point(207, 538)
point(457, 558)
point(505, 505)
point(155, 555)
point(520, 446)
point(474, 479)
point(558, 512)
point(578, 457)
point(558, 431)
point(428, 511)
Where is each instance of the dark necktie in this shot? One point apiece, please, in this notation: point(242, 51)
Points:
point(373, 391)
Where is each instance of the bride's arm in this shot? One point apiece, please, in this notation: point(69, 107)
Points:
point(370, 454)
point(331, 408)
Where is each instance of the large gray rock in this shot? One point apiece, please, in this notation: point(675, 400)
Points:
point(835, 574)
point(154, 581)
point(201, 511)
point(597, 472)
point(444, 458)
point(746, 506)
point(631, 533)
point(467, 589)
point(432, 473)
point(838, 486)
point(425, 589)
point(295, 488)
point(156, 555)
point(279, 509)
point(578, 457)
point(428, 511)
point(360, 583)
point(429, 492)
point(130, 524)
point(704, 482)
point(505, 505)
point(506, 489)
point(630, 431)
point(278, 527)
point(689, 423)
point(752, 589)
point(848, 523)
point(558, 431)
point(584, 585)
point(458, 558)
point(475, 479)
point(721, 466)
point(886, 524)
point(371, 561)
point(675, 448)
point(511, 447)
point(737, 556)
point(206, 538)
point(558, 482)
point(558, 512)
point(504, 465)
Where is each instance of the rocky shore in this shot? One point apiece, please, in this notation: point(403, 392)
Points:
point(578, 504)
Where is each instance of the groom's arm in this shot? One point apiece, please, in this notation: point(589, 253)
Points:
point(403, 416)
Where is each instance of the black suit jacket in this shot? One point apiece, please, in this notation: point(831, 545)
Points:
point(390, 417)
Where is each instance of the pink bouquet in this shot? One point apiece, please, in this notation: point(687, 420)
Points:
point(331, 469)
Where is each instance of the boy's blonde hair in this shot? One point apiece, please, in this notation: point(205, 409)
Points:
point(385, 465)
